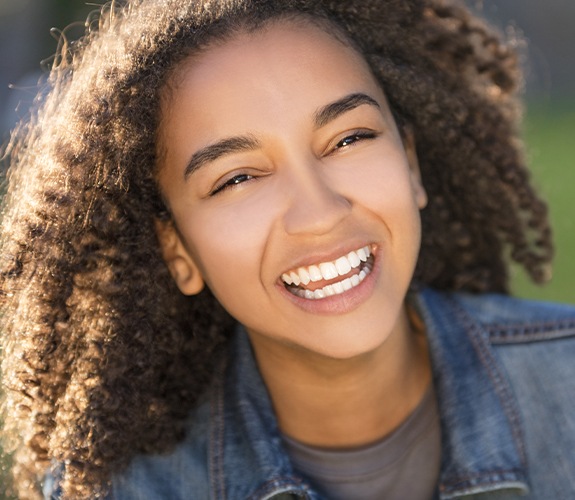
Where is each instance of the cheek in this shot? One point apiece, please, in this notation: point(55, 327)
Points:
point(228, 244)
point(384, 192)
point(384, 188)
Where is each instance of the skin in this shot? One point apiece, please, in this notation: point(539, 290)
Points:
point(309, 185)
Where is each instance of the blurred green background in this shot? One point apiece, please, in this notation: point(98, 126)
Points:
point(551, 151)
point(545, 38)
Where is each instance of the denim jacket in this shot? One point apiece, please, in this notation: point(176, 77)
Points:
point(504, 375)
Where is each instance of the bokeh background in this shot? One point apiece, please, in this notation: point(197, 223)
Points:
point(545, 34)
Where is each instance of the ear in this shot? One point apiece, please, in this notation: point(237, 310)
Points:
point(182, 267)
point(411, 153)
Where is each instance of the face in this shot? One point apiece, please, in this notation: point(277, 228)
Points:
point(293, 196)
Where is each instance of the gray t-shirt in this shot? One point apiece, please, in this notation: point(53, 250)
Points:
point(405, 464)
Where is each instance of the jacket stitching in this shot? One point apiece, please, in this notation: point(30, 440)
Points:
point(529, 332)
point(296, 485)
point(216, 458)
point(472, 479)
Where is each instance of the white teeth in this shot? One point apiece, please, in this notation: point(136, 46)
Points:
point(294, 278)
point(343, 266)
point(315, 273)
point(346, 283)
point(333, 289)
point(328, 270)
point(354, 260)
point(304, 276)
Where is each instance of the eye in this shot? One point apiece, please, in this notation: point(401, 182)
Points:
point(231, 182)
point(352, 139)
point(355, 137)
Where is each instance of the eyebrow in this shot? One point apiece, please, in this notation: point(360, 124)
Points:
point(331, 111)
point(231, 145)
point(221, 148)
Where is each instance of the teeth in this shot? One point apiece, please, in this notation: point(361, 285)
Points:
point(354, 259)
point(346, 283)
point(304, 276)
point(315, 273)
point(327, 270)
point(343, 265)
point(335, 288)
point(294, 278)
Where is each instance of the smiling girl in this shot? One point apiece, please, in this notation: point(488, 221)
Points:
point(258, 249)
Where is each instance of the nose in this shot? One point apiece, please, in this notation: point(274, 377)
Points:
point(315, 206)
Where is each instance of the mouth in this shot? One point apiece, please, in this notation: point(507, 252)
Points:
point(326, 279)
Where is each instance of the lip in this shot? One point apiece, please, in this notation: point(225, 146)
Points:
point(341, 303)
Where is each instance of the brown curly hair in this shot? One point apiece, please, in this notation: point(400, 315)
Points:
point(103, 358)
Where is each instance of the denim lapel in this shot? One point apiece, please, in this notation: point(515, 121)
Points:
point(247, 459)
point(482, 438)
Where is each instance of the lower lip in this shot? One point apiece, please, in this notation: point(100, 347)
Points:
point(342, 303)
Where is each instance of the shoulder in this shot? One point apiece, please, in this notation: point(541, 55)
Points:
point(170, 475)
point(524, 351)
point(506, 319)
point(531, 340)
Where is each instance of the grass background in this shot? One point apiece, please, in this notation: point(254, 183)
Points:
point(550, 139)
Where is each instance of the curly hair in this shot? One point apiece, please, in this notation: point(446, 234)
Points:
point(103, 357)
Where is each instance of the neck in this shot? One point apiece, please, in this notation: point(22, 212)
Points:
point(351, 402)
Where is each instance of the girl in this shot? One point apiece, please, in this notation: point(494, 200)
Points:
point(259, 249)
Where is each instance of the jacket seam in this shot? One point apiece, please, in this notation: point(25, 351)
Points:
point(464, 481)
point(293, 485)
point(528, 332)
point(216, 457)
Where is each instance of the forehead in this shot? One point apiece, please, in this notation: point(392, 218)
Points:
point(297, 31)
point(260, 82)
point(262, 60)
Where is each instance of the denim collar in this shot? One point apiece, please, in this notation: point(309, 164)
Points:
point(482, 439)
point(247, 458)
point(483, 445)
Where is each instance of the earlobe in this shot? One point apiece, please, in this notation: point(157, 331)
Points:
point(419, 192)
point(180, 264)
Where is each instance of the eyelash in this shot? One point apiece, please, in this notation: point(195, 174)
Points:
point(356, 136)
point(233, 181)
point(346, 142)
